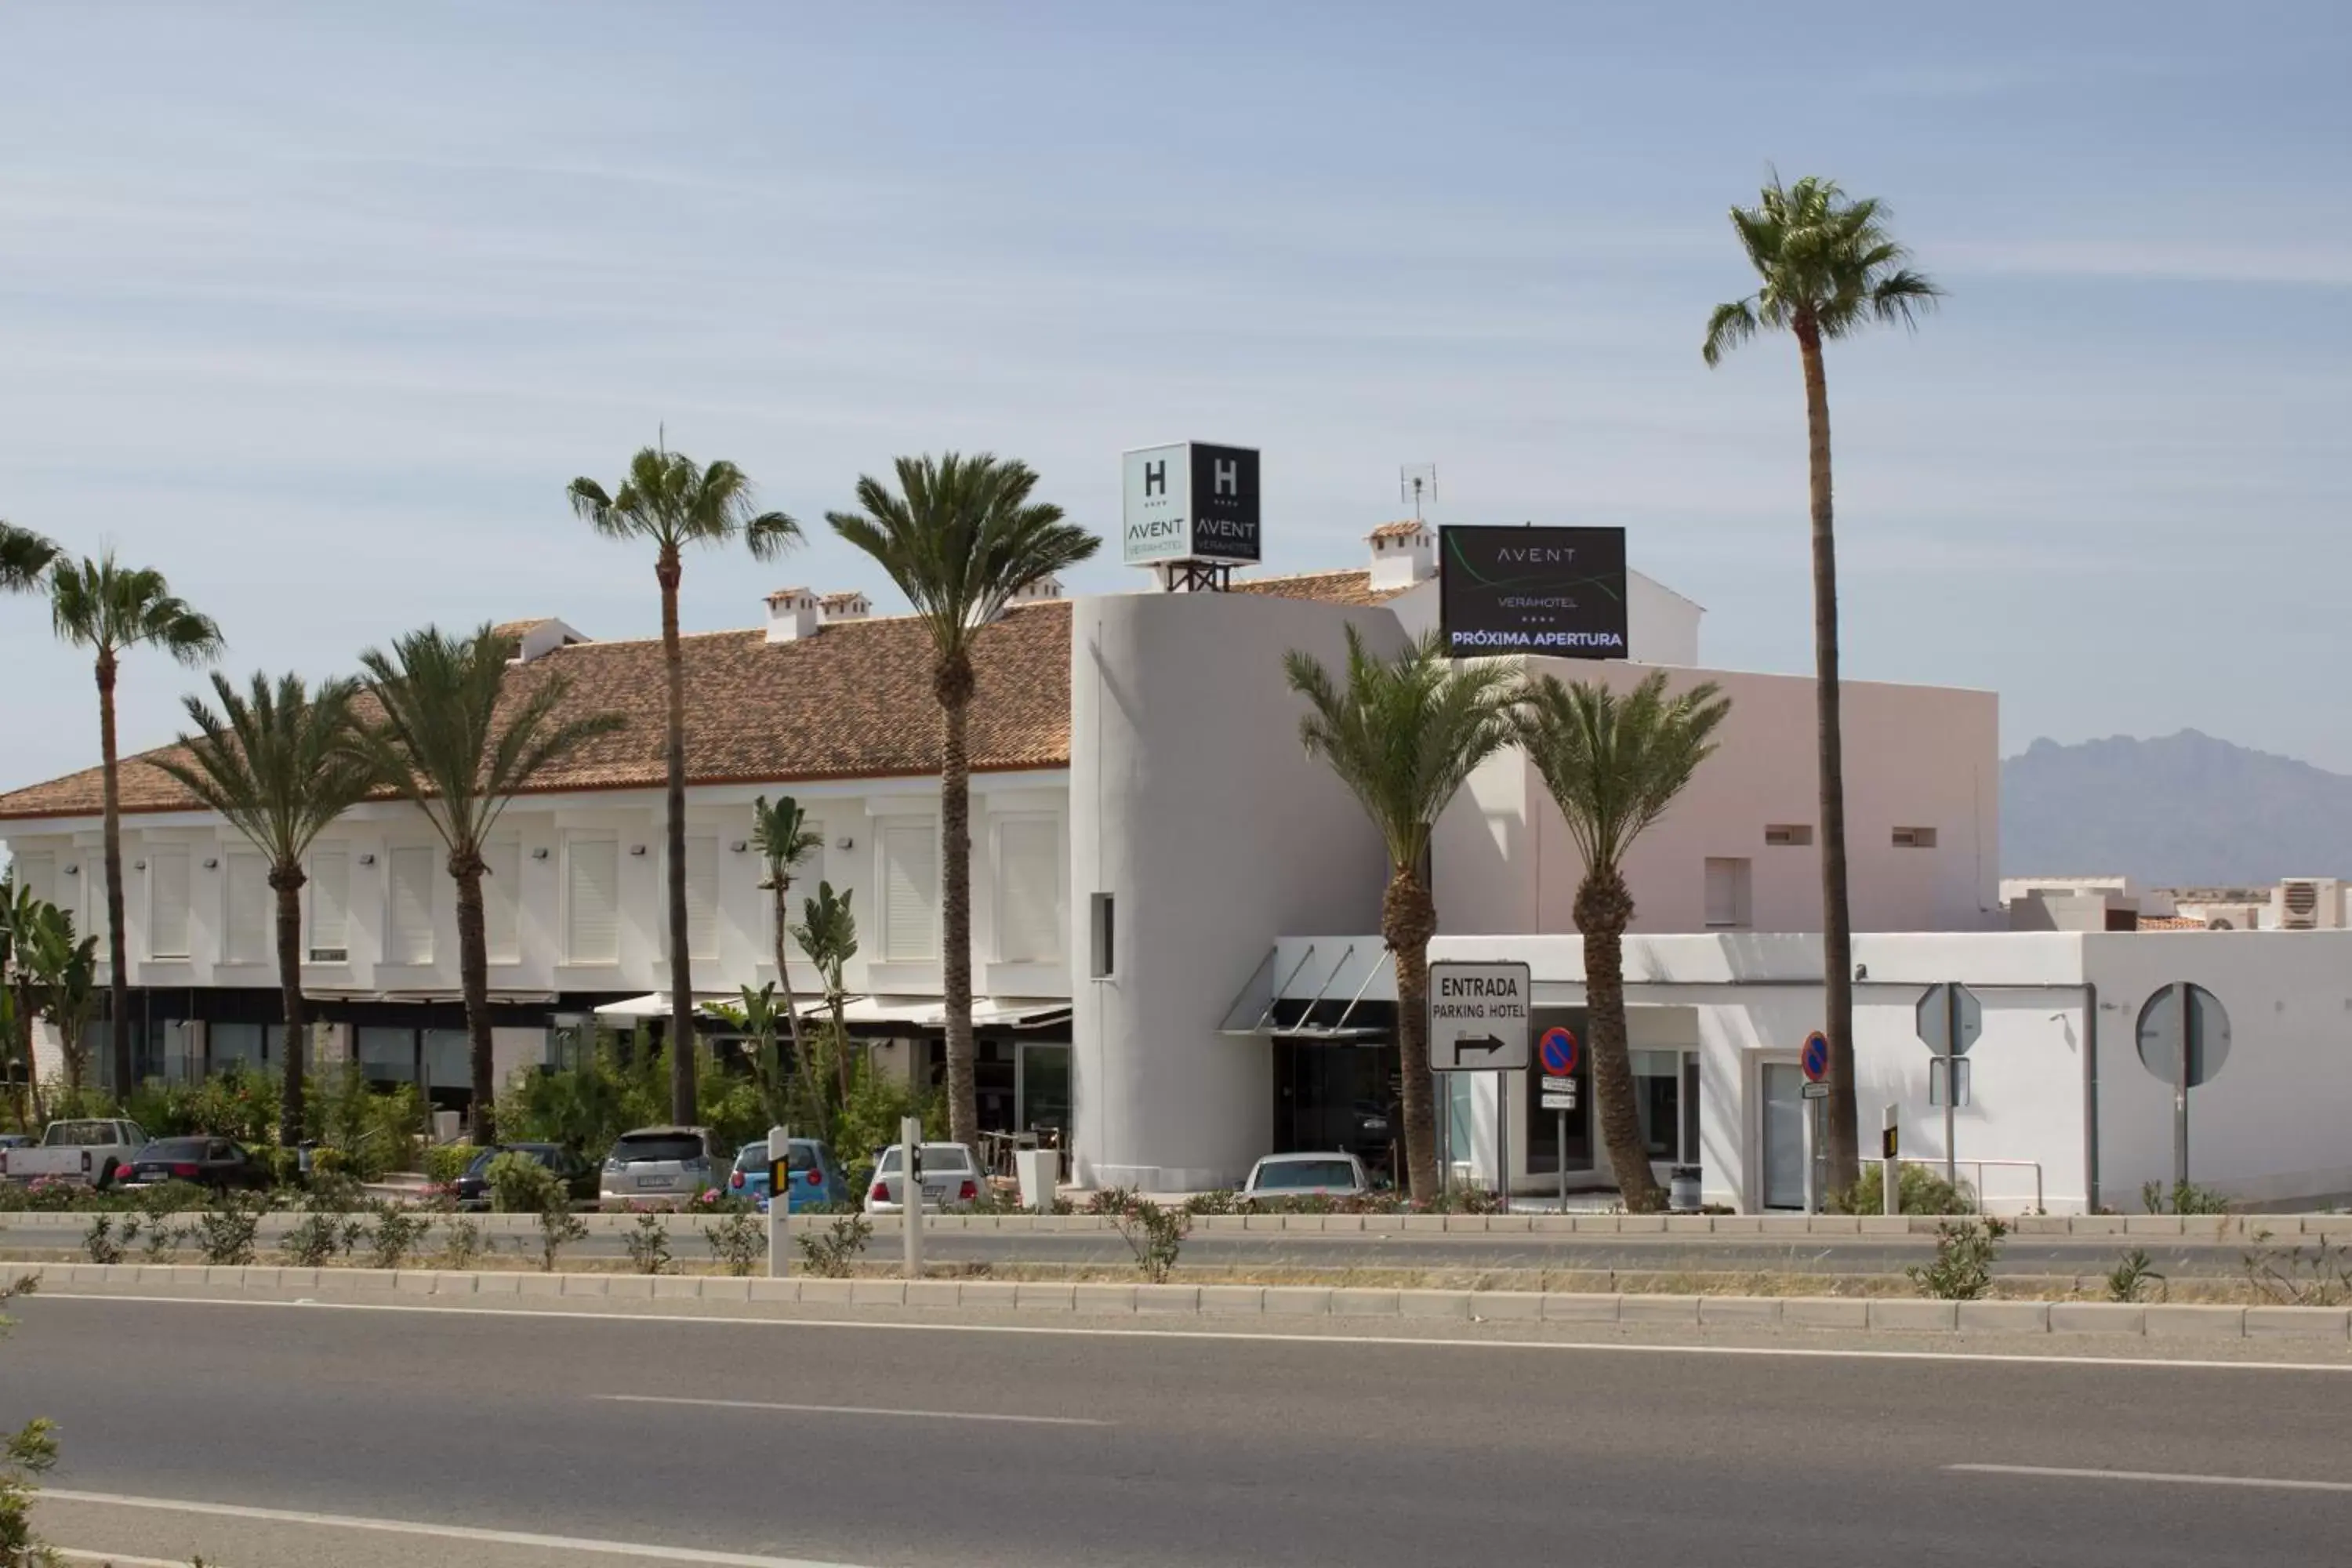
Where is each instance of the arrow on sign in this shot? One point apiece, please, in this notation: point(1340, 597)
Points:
point(1486, 1045)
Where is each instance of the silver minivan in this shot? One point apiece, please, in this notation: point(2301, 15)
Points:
point(656, 1166)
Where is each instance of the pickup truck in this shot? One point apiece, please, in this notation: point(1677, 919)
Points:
point(90, 1150)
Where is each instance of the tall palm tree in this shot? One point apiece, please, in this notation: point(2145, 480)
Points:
point(959, 538)
point(278, 761)
point(1613, 764)
point(111, 609)
point(456, 742)
point(671, 502)
point(783, 837)
point(828, 934)
point(1829, 267)
point(1402, 734)
point(24, 556)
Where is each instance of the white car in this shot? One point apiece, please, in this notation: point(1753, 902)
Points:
point(1331, 1175)
point(950, 1179)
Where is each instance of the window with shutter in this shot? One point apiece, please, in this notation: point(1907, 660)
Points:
point(167, 902)
point(911, 892)
point(592, 899)
point(93, 901)
point(1029, 890)
point(502, 900)
point(1727, 892)
point(250, 909)
point(330, 904)
point(37, 874)
point(408, 928)
point(701, 897)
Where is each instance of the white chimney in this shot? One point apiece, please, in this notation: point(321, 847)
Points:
point(1044, 590)
point(792, 614)
point(536, 638)
point(1404, 553)
point(835, 609)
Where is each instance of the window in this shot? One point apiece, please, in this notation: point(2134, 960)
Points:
point(37, 874)
point(701, 897)
point(592, 899)
point(1029, 890)
point(93, 900)
point(249, 898)
point(501, 900)
point(1789, 834)
point(1914, 838)
point(1101, 922)
point(408, 924)
point(911, 892)
point(167, 902)
point(1726, 893)
point(330, 904)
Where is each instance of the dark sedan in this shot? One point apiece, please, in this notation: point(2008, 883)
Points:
point(579, 1177)
point(219, 1163)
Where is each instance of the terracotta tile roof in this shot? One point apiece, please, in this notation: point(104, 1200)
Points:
point(1321, 587)
point(852, 701)
point(518, 629)
point(840, 601)
point(1404, 530)
point(2170, 923)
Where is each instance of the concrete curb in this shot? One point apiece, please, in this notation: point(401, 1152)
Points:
point(1897, 1314)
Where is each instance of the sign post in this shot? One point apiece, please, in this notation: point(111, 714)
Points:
point(1949, 1018)
point(1558, 1051)
point(2184, 1038)
point(910, 1192)
point(780, 1201)
point(1815, 1063)
point(1478, 1023)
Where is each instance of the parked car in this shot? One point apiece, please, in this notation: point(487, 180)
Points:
point(472, 1190)
point(816, 1177)
point(87, 1149)
point(658, 1166)
point(16, 1139)
point(1331, 1175)
point(220, 1163)
point(950, 1178)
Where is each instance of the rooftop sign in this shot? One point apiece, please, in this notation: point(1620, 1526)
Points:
point(1189, 502)
point(1559, 591)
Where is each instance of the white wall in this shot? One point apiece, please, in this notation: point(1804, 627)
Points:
point(1195, 806)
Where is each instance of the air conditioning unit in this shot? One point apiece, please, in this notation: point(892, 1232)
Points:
point(2309, 903)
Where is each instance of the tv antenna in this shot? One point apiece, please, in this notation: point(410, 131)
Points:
point(1416, 484)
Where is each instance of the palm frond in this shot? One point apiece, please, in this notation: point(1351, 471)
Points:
point(1614, 762)
point(277, 762)
point(1730, 326)
point(24, 556)
point(669, 500)
point(1828, 262)
point(111, 609)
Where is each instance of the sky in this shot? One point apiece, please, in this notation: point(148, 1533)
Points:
point(317, 308)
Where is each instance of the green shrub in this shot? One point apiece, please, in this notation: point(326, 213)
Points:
point(1920, 1190)
point(318, 1239)
point(2129, 1280)
point(1155, 1235)
point(465, 1242)
point(397, 1236)
point(2183, 1197)
point(648, 1244)
point(521, 1185)
point(225, 1234)
point(1964, 1250)
point(739, 1241)
point(558, 1228)
point(1222, 1201)
point(162, 1241)
point(105, 1243)
point(445, 1162)
point(832, 1252)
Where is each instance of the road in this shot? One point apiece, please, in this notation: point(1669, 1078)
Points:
point(917, 1445)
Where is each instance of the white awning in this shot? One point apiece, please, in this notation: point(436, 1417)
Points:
point(924, 1012)
point(656, 1004)
point(932, 1013)
point(1018, 1012)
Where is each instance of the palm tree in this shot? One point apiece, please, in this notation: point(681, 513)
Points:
point(1613, 764)
point(783, 837)
point(1402, 734)
point(828, 934)
point(755, 1018)
point(64, 970)
point(24, 556)
point(959, 538)
point(672, 503)
point(457, 743)
point(278, 761)
point(111, 609)
point(1829, 268)
point(20, 913)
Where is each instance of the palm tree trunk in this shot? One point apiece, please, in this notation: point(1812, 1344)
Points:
point(1603, 909)
point(785, 975)
point(845, 1065)
point(681, 967)
point(1845, 1149)
point(287, 882)
point(955, 899)
point(474, 981)
point(119, 977)
point(1408, 919)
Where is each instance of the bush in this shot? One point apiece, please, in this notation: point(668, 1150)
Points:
point(1964, 1250)
point(464, 1242)
point(163, 1242)
point(445, 1162)
point(1921, 1191)
point(648, 1244)
point(521, 1185)
point(2185, 1197)
point(319, 1239)
point(105, 1243)
point(397, 1236)
point(1155, 1235)
point(372, 1131)
point(589, 1107)
point(1222, 1201)
point(2129, 1280)
point(558, 1227)
point(833, 1253)
point(225, 1232)
point(877, 1102)
point(739, 1241)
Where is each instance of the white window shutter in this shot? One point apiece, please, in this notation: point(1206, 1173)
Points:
point(592, 901)
point(911, 892)
point(1029, 892)
point(501, 900)
point(250, 910)
point(701, 897)
point(167, 902)
point(408, 932)
point(37, 874)
point(93, 888)
point(331, 905)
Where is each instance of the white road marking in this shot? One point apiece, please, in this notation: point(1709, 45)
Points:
point(2269, 1483)
point(1802, 1353)
point(851, 1410)
point(116, 1559)
point(437, 1531)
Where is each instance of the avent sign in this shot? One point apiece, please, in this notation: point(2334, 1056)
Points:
point(1189, 502)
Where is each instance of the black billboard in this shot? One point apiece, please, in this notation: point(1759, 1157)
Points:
point(1224, 504)
point(1558, 592)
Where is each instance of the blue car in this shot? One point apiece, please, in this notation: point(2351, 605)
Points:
point(816, 1178)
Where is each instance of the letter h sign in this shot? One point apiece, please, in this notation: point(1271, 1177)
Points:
point(1155, 477)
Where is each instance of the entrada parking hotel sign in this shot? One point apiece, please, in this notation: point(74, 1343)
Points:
point(1189, 502)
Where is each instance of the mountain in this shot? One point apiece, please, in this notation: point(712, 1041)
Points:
point(2184, 811)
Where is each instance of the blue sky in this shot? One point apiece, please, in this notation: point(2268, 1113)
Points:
point(317, 309)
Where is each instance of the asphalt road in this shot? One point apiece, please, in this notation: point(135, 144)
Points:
point(1054, 1449)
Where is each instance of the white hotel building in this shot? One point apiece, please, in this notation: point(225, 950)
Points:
point(1158, 870)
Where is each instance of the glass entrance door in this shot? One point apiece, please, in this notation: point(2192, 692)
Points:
point(1784, 1135)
